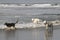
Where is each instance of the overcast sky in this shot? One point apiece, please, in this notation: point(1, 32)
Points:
point(29, 1)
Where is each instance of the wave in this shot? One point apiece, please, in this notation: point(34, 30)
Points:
point(28, 25)
point(50, 14)
point(29, 5)
point(31, 25)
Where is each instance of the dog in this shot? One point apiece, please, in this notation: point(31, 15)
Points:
point(48, 25)
point(36, 20)
point(9, 25)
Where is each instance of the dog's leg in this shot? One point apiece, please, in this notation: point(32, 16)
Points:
point(7, 29)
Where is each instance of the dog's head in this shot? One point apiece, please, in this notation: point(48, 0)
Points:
point(5, 23)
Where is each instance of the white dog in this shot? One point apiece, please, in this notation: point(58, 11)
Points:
point(36, 20)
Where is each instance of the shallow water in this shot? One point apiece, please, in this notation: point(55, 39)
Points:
point(30, 34)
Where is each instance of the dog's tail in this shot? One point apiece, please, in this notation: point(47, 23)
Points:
point(17, 21)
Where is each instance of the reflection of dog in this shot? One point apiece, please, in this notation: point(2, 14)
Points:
point(36, 20)
point(10, 24)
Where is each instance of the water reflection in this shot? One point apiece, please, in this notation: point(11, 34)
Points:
point(37, 34)
point(48, 34)
point(10, 35)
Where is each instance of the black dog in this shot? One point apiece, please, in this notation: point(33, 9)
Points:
point(10, 24)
